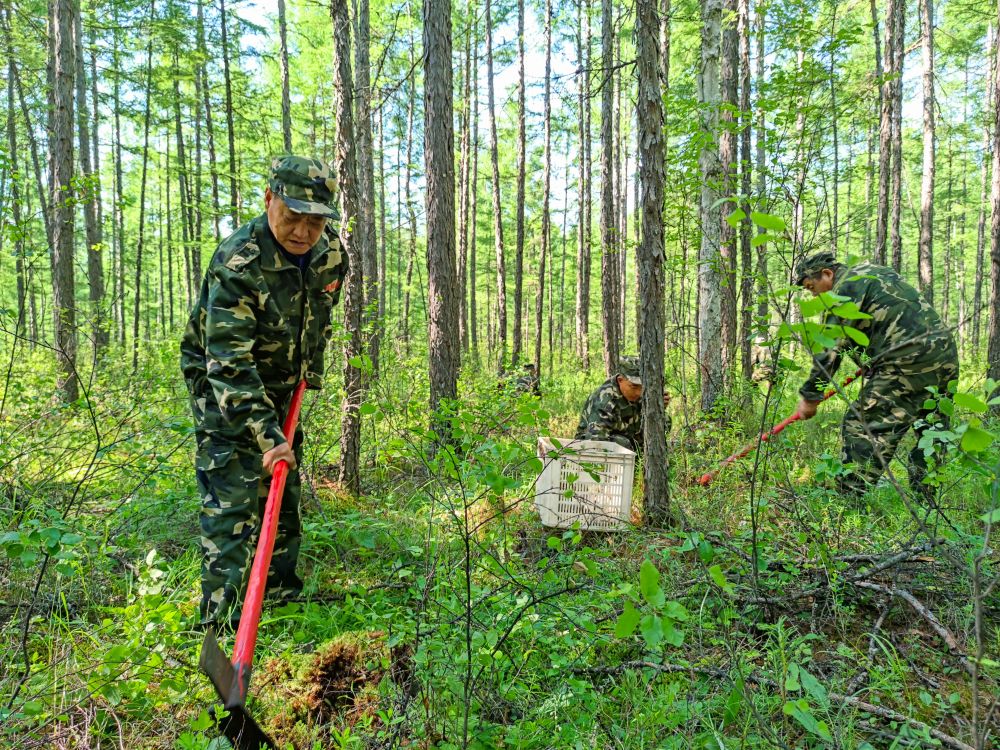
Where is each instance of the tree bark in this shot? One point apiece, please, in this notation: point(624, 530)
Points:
point(887, 101)
point(977, 299)
point(546, 187)
point(119, 203)
point(993, 345)
point(728, 72)
point(926, 248)
point(439, 155)
point(286, 99)
point(234, 193)
point(895, 238)
point(60, 218)
point(140, 237)
point(650, 257)
point(20, 270)
point(346, 166)
point(366, 243)
point(583, 223)
point(474, 188)
point(517, 333)
point(90, 198)
point(209, 129)
point(746, 227)
point(609, 233)
point(501, 302)
point(710, 262)
point(464, 164)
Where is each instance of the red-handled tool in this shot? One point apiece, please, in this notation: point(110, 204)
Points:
point(232, 678)
point(705, 479)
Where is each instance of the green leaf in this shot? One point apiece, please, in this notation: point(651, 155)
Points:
point(627, 621)
point(736, 217)
point(970, 402)
point(856, 335)
point(734, 704)
point(651, 628)
point(649, 584)
point(366, 409)
point(850, 311)
point(992, 517)
point(673, 634)
point(719, 578)
point(203, 722)
point(675, 611)
point(792, 683)
point(813, 686)
point(767, 221)
point(812, 306)
point(976, 439)
point(760, 239)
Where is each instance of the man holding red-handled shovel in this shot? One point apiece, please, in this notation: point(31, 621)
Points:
point(908, 349)
point(259, 328)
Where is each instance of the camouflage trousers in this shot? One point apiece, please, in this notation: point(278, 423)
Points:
point(891, 401)
point(233, 496)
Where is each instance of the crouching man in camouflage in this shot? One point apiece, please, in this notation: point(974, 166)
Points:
point(260, 326)
point(614, 411)
point(909, 349)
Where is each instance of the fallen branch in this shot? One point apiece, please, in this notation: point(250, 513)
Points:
point(921, 610)
point(846, 700)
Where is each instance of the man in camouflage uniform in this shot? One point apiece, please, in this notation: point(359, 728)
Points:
point(908, 350)
point(529, 381)
point(260, 326)
point(614, 411)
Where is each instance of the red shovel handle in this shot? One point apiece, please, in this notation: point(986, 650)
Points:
point(246, 635)
point(705, 479)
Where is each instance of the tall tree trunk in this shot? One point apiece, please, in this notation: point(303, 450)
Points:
point(60, 131)
point(895, 238)
point(728, 74)
point(91, 197)
point(347, 170)
point(926, 249)
point(977, 300)
point(20, 270)
point(234, 192)
point(366, 244)
point(834, 131)
point(411, 212)
point(885, 73)
point(546, 187)
point(945, 308)
point(501, 306)
point(515, 351)
point(191, 247)
point(746, 251)
point(650, 257)
point(140, 239)
point(474, 185)
point(993, 346)
point(439, 154)
point(382, 239)
point(119, 205)
point(209, 129)
point(609, 238)
point(286, 98)
point(463, 191)
point(710, 263)
point(762, 284)
point(169, 230)
point(583, 244)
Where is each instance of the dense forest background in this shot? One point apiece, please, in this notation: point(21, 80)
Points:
point(559, 183)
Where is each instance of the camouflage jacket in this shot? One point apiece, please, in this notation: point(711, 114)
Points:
point(259, 327)
point(904, 332)
point(608, 415)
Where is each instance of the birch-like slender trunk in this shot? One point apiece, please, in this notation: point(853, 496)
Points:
point(925, 265)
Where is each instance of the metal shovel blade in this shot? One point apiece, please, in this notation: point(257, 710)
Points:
point(238, 726)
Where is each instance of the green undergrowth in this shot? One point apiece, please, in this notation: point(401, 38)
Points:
point(439, 613)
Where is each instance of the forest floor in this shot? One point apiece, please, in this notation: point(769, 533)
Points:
point(438, 612)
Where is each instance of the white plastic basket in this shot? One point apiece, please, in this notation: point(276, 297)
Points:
point(585, 481)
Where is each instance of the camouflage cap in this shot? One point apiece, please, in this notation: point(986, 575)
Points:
point(628, 368)
point(810, 264)
point(307, 186)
